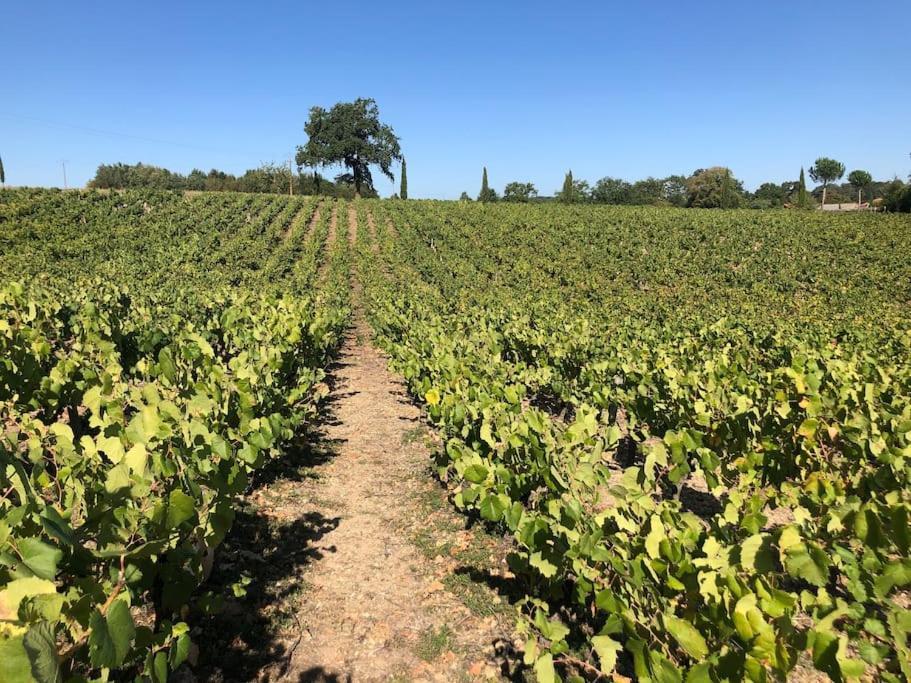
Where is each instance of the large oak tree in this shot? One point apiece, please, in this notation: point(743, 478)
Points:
point(350, 134)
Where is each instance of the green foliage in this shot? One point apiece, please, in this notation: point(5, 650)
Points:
point(573, 191)
point(403, 188)
point(2, 172)
point(612, 191)
point(268, 178)
point(649, 191)
point(772, 193)
point(350, 134)
point(163, 349)
point(897, 197)
point(860, 180)
point(487, 194)
point(803, 199)
point(580, 392)
point(567, 194)
point(714, 188)
point(824, 171)
point(519, 192)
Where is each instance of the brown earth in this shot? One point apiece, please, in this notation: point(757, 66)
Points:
point(352, 225)
point(371, 230)
point(314, 221)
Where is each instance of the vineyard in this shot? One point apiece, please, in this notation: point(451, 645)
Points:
point(694, 426)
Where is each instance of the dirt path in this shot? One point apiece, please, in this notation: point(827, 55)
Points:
point(390, 226)
point(314, 221)
point(373, 609)
point(359, 568)
point(371, 231)
point(352, 225)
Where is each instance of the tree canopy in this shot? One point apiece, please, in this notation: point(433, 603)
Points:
point(714, 188)
point(267, 178)
point(350, 134)
point(860, 180)
point(519, 192)
point(824, 171)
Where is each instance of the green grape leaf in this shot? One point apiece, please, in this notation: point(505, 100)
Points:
point(606, 648)
point(181, 507)
point(41, 646)
point(111, 635)
point(687, 636)
point(40, 557)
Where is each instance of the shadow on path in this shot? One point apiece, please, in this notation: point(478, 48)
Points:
point(258, 580)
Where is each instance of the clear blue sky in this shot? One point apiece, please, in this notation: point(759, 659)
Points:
point(530, 89)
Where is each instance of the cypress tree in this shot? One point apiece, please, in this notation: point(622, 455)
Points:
point(485, 188)
point(567, 196)
point(2, 172)
point(726, 190)
point(802, 201)
point(403, 190)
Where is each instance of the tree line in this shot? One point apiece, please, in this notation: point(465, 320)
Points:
point(717, 187)
point(267, 178)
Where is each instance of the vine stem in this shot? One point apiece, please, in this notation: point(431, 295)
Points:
point(582, 664)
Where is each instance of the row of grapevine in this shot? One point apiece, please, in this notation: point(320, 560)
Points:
point(588, 393)
point(162, 349)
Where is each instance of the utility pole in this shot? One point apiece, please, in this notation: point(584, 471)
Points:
point(63, 163)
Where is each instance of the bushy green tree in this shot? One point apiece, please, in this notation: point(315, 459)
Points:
point(573, 191)
point(648, 192)
point(403, 188)
point(350, 134)
point(519, 192)
point(714, 188)
point(612, 191)
point(824, 171)
point(675, 190)
point(487, 194)
point(897, 197)
point(2, 173)
point(860, 180)
point(771, 193)
point(464, 197)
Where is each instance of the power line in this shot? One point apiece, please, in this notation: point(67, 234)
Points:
point(108, 133)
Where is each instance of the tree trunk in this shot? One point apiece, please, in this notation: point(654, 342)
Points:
point(824, 195)
point(859, 190)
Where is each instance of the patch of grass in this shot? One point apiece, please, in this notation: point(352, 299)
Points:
point(283, 618)
point(437, 534)
point(434, 642)
point(475, 596)
point(414, 435)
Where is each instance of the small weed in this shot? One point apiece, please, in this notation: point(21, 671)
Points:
point(434, 642)
point(413, 435)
